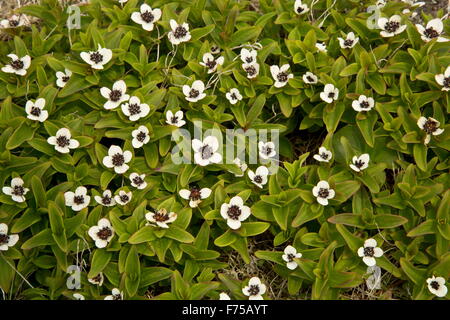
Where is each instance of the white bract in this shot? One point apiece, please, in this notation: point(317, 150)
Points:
point(300, 8)
point(116, 294)
point(349, 42)
point(211, 63)
point(17, 65)
point(146, 17)
point(259, 177)
point(363, 104)
point(140, 137)
point(63, 77)
point(280, 75)
point(391, 27)
point(430, 126)
point(35, 110)
point(321, 46)
point(194, 93)
point(241, 165)
point(117, 159)
point(323, 192)
point(433, 30)
point(290, 253)
point(224, 296)
point(330, 93)
point(248, 56)
point(115, 96)
point(123, 197)
point(266, 149)
point(78, 200)
point(235, 212)
point(106, 199)
point(444, 79)
point(310, 78)
point(180, 32)
point(380, 3)
point(175, 119)
point(134, 109)
point(195, 195)
point(360, 163)
point(437, 286)
point(7, 241)
point(233, 96)
point(63, 141)
point(369, 252)
point(102, 233)
point(160, 218)
point(205, 151)
point(17, 191)
point(138, 181)
point(252, 69)
point(323, 155)
point(97, 280)
point(255, 289)
point(13, 22)
point(97, 59)
point(78, 296)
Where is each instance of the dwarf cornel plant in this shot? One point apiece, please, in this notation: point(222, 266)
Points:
point(351, 196)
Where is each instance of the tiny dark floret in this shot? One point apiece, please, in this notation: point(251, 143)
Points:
point(206, 152)
point(147, 16)
point(104, 233)
point(391, 26)
point(180, 32)
point(323, 193)
point(115, 95)
point(96, 57)
point(62, 141)
point(234, 212)
point(17, 64)
point(118, 160)
point(134, 108)
point(369, 251)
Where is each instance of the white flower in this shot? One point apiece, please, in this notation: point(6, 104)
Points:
point(180, 32)
point(290, 253)
point(175, 119)
point(414, 3)
point(321, 46)
point(255, 289)
point(300, 8)
point(280, 75)
point(117, 159)
point(194, 93)
point(310, 78)
point(324, 155)
point(430, 126)
point(161, 218)
point(369, 252)
point(224, 296)
point(18, 65)
point(248, 56)
point(195, 195)
point(34, 110)
point(252, 69)
point(233, 96)
point(17, 190)
point(260, 177)
point(444, 79)
point(360, 163)
point(134, 109)
point(381, 3)
point(63, 77)
point(78, 296)
point(373, 282)
point(78, 200)
point(13, 22)
point(215, 49)
point(97, 59)
point(322, 192)
point(266, 149)
point(437, 286)
point(363, 104)
point(349, 42)
point(235, 212)
point(205, 151)
point(6, 240)
point(123, 197)
point(106, 199)
point(115, 96)
point(102, 234)
point(140, 137)
point(62, 141)
point(97, 280)
point(391, 26)
point(211, 63)
point(138, 181)
point(116, 293)
point(241, 165)
point(433, 30)
point(146, 17)
point(330, 93)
